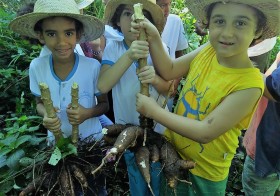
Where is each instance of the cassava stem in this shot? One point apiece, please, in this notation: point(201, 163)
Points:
point(75, 105)
point(144, 88)
point(48, 104)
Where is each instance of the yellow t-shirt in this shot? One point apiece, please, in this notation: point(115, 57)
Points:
point(207, 84)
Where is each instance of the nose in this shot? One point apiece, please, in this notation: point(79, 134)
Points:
point(228, 30)
point(61, 39)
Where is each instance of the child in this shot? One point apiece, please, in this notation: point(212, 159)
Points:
point(262, 164)
point(119, 73)
point(60, 27)
point(221, 92)
point(28, 8)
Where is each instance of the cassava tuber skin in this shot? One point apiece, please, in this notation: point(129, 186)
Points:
point(127, 138)
point(142, 160)
point(115, 129)
point(172, 164)
point(80, 176)
point(154, 153)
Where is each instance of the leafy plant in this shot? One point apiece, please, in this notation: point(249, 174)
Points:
point(20, 144)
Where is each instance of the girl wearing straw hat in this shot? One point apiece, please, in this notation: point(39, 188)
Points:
point(119, 73)
point(221, 92)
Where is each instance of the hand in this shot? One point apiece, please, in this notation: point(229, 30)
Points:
point(147, 75)
point(150, 29)
point(52, 124)
point(145, 105)
point(76, 116)
point(138, 49)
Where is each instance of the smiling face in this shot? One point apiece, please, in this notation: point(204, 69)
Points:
point(60, 36)
point(232, 28)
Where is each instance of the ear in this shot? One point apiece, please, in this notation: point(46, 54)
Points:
point(78, 36)
point(41, 38)
point(258, 34)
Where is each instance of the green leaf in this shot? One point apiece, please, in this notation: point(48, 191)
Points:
point(5, 151)
point(25, 161)
point(32, 129)
point(6, 186)
point(10, 139)
point(2, 161)
point(56, 156)
point(36, 140)
point(71, 149)
point(62, 142)
point(22, 139)
point(13, 159)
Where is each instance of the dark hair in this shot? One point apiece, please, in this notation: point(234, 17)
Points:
point(261, 19)
point(117, 15)
point(28, 8)
point(78, 25)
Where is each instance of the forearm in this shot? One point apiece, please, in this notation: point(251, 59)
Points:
point(161, 59)
point(182, 125)
point(98, 110)
point(163, 86)
point(110, 75)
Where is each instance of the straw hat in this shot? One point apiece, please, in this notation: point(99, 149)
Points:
point(93, 28)
point(270, 8)
point(149, 5)
point(83, 3)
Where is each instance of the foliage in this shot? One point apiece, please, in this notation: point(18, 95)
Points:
point(20, 144)
point(22, 139)
point(15, 56)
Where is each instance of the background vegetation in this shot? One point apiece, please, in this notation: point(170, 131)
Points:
point(21, 135)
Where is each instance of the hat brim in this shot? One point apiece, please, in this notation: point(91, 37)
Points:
point(93, 28)
point(154, 9)
point(270, 8)
point(84, 4)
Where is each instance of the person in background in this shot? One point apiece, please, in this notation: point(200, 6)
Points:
point(174, 37)
point(261, 169)
point(221, 92)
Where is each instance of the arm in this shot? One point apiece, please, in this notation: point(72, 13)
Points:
point(81, 114)
point(226, 115)
point(272, 81)
point(148, 75)
point(169, 69)
point(110, 75)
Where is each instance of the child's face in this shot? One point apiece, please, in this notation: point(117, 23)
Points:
point(124, 24)
point(60, 36)
point(232, 28)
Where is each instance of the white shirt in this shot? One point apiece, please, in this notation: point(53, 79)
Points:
point(124, 92)
point(173, 35)
point(85, 75)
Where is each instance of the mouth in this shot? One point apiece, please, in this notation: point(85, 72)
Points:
point(227, 43)
point(62, 51)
